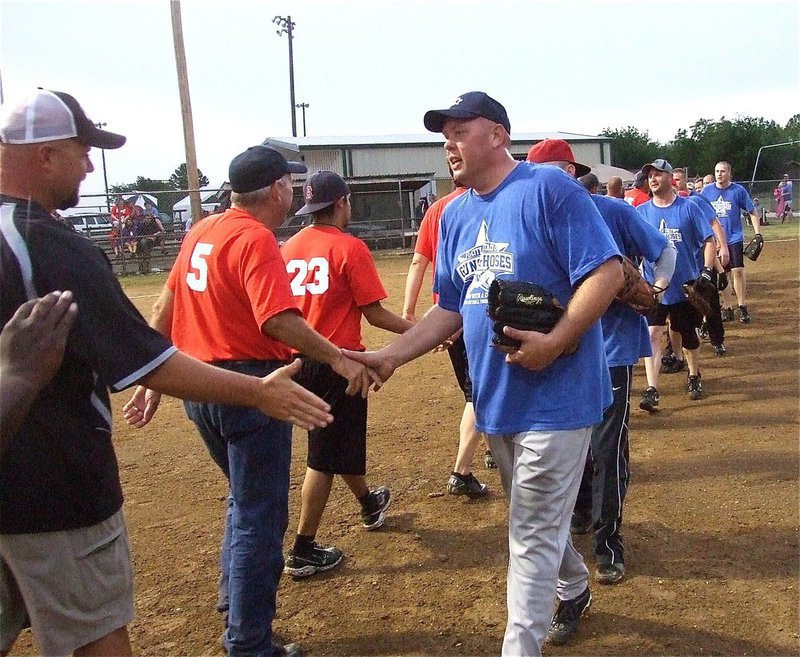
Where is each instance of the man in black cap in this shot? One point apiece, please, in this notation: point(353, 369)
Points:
point(228, 302)
point(62, 530)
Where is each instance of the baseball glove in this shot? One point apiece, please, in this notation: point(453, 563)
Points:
point(700, 294)
point(753, 249)
point(521, 305)
point(635, 290)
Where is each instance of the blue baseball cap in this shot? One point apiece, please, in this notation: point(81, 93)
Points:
point(470, 105)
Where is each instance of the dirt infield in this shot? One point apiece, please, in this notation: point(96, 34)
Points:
point(711, 522)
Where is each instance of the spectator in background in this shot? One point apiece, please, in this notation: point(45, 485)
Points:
point(150, 235)
point(639, 193)
point(590, 182)
point(786, 196)
point(614, 187)
point(680, 181)
point(120, 213)
point(698, 184)
point(150, 210)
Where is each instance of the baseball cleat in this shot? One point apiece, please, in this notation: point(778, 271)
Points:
point(610, 573)
point(373, 511)
point(744, 316)
point(649, 400)
point(695, 387)
point(468, 485)
point(565, 621)
point(317, 560)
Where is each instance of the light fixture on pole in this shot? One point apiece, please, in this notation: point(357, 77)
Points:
point(105, 176)
point(302, 106)
point(286, 27)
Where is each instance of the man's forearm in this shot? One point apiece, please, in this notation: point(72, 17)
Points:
point(185, 377)
point(16, 398)
point(589, 302)
point(290, 328)
point(434, 328)
point(416, 275)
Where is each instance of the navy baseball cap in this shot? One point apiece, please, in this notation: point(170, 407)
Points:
point(322, 189)
point(640, 179)
point(259, 167)
point(659, 164)
point(470, 105)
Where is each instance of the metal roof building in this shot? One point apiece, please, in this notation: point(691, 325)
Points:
point(392, 176)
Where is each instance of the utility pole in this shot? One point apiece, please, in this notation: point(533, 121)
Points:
point(186, 110)
point(286, 27)
point(105, 176)
point(303, 106)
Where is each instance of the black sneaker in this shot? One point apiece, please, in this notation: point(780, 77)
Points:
point(673, 366)
point(581, 521)
point(668, 355)
point(289, 650)
point(727, 314)
point(703, 331)
point(565, 620)
point(744, 316)
point(468, 485)
point(373, 512)
point(720, 350)
point(610, 573)
point(317, 560)
point(488, 460)
point(695, 387)
point(649, 400)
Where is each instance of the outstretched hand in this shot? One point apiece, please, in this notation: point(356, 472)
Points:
point(141, 408)
point(379, 367)
point(285, 399)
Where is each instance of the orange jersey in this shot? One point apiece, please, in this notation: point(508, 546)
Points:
point(332, 274)
point(228, 280)
point(636, 197)
point(428, 234)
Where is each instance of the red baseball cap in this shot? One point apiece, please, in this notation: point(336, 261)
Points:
point(556, 150)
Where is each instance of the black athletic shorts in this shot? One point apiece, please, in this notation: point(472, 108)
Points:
point(737, 256)
point(341, 447)
point(458, 357)
point(683, 319)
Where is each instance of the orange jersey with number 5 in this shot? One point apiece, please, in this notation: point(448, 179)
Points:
point(228, 280)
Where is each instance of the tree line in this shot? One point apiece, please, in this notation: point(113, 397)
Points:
point(707, 142)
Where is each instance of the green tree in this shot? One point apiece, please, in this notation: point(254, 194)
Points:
point(180, 178)
point(632, 148)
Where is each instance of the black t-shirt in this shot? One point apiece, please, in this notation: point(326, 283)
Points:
point(60, 471)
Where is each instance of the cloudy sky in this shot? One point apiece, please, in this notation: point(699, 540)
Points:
point(374, 68)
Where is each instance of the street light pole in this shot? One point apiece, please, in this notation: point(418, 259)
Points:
point(303, 106)
point(105, 175)
point(286, 27)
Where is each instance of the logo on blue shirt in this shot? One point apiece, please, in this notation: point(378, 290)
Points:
point(481, 263)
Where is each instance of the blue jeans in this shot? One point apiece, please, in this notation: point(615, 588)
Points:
point(254, 451)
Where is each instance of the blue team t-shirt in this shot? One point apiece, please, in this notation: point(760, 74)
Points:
point(539, 225)
point(708, 212)
point(624, 330)
point(728, 204)
point(684, 225)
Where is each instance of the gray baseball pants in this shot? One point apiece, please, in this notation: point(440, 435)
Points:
point(541, 472)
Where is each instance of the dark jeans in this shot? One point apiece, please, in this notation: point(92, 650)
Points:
point(254, 451)
point(605, 477)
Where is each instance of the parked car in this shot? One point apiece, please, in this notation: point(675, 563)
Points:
point(91, 225)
